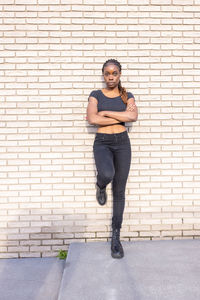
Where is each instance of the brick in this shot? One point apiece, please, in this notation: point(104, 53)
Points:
point(29, 254)
point(9, 255)
point(171, 233)
point(39, 248)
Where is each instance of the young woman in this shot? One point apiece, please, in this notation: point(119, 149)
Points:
point(110, 108)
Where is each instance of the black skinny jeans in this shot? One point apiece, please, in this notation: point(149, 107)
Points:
point(112, 154)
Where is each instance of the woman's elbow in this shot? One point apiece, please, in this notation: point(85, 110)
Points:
point(133, 118)
point(91, 120)
point(136, 117)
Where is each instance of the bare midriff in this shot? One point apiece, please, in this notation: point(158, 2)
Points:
point(114, 128)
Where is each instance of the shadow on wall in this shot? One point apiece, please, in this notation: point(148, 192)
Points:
point(45, 238)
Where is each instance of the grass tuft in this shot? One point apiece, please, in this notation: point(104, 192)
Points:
point(62, 254)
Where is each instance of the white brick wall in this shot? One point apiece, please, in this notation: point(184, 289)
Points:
point(51, 55)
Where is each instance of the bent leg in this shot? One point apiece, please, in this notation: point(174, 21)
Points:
point(104, 163)
point(122, 161)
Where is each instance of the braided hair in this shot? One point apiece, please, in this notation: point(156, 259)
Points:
point(122, 90)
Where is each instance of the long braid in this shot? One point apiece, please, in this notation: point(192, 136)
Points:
point(122, 90)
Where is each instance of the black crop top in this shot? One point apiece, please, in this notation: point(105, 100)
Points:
point(107, 103)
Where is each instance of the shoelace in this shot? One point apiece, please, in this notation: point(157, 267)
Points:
point(116, 235)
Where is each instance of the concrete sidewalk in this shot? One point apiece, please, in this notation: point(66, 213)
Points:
point(150, 270)
point(30, 278)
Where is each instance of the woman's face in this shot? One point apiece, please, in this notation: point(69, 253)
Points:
point(111, 75)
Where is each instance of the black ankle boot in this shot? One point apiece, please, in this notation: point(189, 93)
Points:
point(101, 195)
point(116, 246)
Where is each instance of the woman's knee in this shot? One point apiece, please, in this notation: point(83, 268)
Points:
point(107, 175)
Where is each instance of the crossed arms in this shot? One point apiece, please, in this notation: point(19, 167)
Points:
point(107, 117)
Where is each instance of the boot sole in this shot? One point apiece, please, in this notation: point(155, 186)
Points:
point(117, 255)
